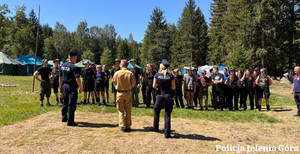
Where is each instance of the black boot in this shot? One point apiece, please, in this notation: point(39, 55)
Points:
point(268, 107)
point(57, 101)
point(93, 101)
point(259, 107)
point(84, 102)
point(62, 100)
point(104, 103)
point(98, 101)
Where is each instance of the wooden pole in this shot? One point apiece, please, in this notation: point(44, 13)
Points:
point(36, 48)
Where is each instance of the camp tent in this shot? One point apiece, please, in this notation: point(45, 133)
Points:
point(9, 66)
point(207, 69)
point(81, 65)
point(129, 65)
point(29, 61)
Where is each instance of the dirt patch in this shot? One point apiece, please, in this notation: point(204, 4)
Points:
point(99, 133)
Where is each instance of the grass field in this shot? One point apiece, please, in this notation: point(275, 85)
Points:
point(27, 128)
point(19, 103)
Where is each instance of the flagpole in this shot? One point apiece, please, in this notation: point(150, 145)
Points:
point(36, 48)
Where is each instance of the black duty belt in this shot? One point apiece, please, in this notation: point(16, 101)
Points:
point(122, 91)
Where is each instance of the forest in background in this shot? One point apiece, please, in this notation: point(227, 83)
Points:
point(241, 34)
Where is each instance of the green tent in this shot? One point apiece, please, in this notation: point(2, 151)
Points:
point(81, 65)
point(9, 66)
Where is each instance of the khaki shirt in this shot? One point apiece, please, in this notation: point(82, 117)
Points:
point(123, 79)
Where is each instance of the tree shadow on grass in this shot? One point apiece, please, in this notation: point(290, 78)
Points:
point(95, 125)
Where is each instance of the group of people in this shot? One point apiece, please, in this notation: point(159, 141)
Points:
point(162, 87)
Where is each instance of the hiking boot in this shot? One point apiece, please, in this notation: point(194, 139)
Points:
point(72, 124)
point(259, 107)
point(268, 107)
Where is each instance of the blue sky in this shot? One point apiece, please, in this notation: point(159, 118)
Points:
point(128, 16)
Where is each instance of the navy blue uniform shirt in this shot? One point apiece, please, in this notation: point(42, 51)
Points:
point(296, 81)
point(100, 77)
point(164, 82)
point(69, 72)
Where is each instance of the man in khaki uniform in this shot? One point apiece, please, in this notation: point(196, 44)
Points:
point(123, 81)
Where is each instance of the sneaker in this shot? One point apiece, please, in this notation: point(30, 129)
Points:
point(122, 130)
point(72, 124)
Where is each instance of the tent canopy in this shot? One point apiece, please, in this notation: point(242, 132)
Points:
point(29, 60)
point(81, 65)
point(9, 66)
point(129, 65)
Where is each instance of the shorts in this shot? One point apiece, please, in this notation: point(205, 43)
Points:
point(45, 89)
point(88, 85)
point(113, 88)
point(106, 85)
point(263, 92)
point(55, 86)
point(100, 86)
point(203, 93)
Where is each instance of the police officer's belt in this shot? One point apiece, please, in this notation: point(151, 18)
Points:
point(122, 91)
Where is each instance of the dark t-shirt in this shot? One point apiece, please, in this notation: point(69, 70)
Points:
point(136, 71)
point(56, 70)
point(164, 82)
point(100, 77)
point(113, 71)
point(249, 82)
point(233, 82)
point(45, 72)
point(69, 72)
point(148, 77)
point(178, 81)
point(217, 77)
point(87, 74)
point(107, 74)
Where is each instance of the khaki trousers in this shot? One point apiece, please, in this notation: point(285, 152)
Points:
point(124, 105)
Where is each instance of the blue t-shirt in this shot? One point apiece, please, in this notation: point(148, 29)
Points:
point(69, 72)
point(100, 77)
point(225, 77)
point(296, 81)
point(164, 82)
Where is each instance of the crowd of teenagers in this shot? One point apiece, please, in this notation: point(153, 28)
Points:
point(229, 89)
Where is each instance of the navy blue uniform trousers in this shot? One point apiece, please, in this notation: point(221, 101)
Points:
point(163, 101)
point(70, 102)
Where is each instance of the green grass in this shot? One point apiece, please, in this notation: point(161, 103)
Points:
point(18, 103)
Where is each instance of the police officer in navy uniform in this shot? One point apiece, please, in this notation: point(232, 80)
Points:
point(69, 81)
point(165, 83)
